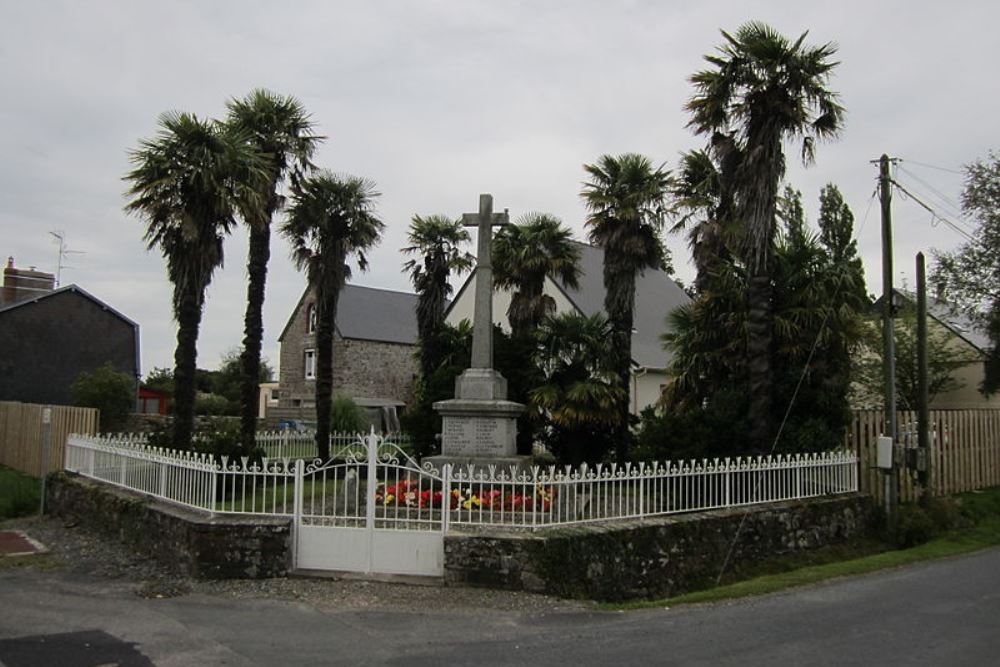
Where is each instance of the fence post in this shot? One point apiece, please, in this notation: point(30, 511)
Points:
point(214, 486)
point(798, 478)
point(297, 489)
point(729, 483)
point(445, 497)
point(163, 479)
point(642, 491)
point(121, 474)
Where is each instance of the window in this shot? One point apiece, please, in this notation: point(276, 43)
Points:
point(311, 318)
point(310, 358)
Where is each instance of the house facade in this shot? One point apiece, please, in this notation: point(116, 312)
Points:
point(656, 295)
point(375, 339)
point(50, 337)
point(966, 340)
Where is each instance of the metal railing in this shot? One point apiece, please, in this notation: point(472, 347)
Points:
point(528, 498)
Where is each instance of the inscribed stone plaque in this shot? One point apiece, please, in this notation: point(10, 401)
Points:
point(477, 436)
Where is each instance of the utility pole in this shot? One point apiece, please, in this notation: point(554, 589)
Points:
point(923, 412)
point(889, 356)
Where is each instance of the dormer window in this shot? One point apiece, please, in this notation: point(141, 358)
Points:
point(311, 318)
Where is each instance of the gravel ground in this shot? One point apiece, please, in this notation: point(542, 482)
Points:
point(75, 550)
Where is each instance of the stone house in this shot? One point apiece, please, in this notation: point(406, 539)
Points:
point(375, 340)
point(49, 336)
point(656, 294)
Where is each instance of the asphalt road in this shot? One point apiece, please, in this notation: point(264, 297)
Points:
point(937, 613)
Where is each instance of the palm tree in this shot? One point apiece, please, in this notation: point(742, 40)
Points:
point(703, 199)
point(188, 184)
point(764, 89)
point(437, 240)
point(524, 255)
point(330, 218)
point(279, 128)
point(626, 198)
point(579, 395)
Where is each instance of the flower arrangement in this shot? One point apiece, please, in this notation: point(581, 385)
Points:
point(407, 493)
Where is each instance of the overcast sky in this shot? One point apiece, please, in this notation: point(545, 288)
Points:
point(440, 101)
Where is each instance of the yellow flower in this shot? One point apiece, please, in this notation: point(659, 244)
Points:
point(389, 498)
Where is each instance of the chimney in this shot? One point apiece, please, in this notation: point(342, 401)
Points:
point(23, 284)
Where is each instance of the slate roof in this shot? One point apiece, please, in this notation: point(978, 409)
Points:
point(370, 313)
point(64, 290)
point(656, 294)
point(957, 322)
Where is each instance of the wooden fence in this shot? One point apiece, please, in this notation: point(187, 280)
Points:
point(965, 450)
point(21, 434)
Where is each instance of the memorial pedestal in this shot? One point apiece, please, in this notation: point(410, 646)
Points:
point(479, 426)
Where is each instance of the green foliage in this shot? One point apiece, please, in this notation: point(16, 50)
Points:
point(438, 241)
point(188, 185)
point(524, 255)
point(161, 380)
point(110, 391)
point(346, 416)
point(969, 277)
point(942, 361)
point(19, 494)
point(222, 437)
point(718, 429)
point(626, 200)
point(760, 90)
point(816, 306)
point(213, 404)
point(578, 392)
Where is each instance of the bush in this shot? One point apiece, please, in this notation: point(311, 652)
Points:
point(19, 494)
point(923, 521)
point(214, 404)
point(346, 416)
point(110, 391)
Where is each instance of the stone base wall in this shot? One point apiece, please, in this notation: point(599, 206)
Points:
point(651, 558)
point(222, 547)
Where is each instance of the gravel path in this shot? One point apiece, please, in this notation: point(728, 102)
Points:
point(76, 551)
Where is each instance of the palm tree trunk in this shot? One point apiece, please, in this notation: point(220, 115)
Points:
point(188, 312)
point(253, 329)
point(327, 297)
point(620, 305)
point(760, 334)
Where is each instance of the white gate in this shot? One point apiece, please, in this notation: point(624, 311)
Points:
point(370, 509)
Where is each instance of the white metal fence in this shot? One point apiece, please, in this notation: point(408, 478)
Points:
point(302, 444)
point(533, 498)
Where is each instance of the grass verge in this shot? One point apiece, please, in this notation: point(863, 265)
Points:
point(19, 493)
point(979, 510)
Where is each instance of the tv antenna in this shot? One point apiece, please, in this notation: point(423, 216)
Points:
point(64, 253)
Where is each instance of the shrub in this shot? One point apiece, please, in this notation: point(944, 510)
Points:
point(346, 416)
point(110, 391)
point(213, 404)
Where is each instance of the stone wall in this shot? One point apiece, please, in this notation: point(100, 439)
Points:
point(651, 558)
point(222, 547)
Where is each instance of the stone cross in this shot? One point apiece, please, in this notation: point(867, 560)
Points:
point(482, 321)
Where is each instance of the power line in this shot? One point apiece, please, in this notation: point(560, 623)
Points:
point(934, 213)
point(943, 199)
point(931, 166)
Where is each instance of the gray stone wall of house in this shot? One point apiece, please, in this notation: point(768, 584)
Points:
point(361, 368)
